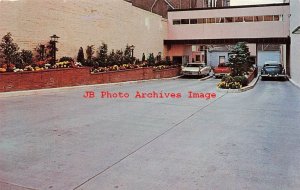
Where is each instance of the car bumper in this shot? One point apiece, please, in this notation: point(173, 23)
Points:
point(190, 73)
point(220, 74)
point(273, 76)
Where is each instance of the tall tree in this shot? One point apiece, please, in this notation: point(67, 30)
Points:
point(239, 59)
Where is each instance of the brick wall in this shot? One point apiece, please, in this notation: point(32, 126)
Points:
point(82, 22)
point(75, 77)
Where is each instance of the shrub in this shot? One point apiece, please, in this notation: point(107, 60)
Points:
point(80, 56)
point(9, 49)
point(102, 55)
point(239, 59)
point(241, 79)
point(66, 59)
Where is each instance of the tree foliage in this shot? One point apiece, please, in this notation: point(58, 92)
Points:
point(239, 59)
point(80, 56)
point(8, 49)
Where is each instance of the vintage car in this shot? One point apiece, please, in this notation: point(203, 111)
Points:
point(272, 69)
point(195, 69)
point(221, 70)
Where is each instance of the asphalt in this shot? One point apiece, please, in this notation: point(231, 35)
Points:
point(56, 139)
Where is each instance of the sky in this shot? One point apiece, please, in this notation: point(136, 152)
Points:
point(249, 2)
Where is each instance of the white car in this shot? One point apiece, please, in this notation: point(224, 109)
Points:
point(195, 69)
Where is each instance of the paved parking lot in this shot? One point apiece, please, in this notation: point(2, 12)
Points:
point(56, 139)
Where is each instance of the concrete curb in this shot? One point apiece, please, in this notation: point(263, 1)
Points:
point(61, 89)
point(205, 78)
point(294, 83)
point(244, 89)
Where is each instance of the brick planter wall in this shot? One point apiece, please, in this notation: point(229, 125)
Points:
point(252, 75)
point(75, 77)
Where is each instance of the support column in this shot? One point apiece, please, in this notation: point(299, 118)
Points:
point(288, 55)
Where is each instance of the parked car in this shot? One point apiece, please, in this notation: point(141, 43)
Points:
point(273, 69)
point(195, 69)
point(221, 70)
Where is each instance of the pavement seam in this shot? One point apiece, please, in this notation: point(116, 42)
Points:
point(149, 142)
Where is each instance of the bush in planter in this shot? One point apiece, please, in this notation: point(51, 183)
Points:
point(102, 55)
point(229, 82)
point(9, 51)
point(241, 79)
point(80, 56)
point(239, 59)
point(68, 59)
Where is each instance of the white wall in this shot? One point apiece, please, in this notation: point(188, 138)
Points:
point(295, 41)
point(230, 30)
point(81, 23)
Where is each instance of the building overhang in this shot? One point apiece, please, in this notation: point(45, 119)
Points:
point(229, 41)
point(232, 7)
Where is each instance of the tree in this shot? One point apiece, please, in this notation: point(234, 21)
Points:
point(102, 55)
point(239, 59)
point(41, 52)
point(143, 58)
point(128, 54)
point(89, 55)
point(151, 59)
point(26, 59)
point(80, 56)
point(9, 50)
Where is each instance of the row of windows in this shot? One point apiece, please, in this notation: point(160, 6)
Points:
point(229, 19)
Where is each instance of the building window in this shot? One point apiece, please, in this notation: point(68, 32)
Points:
point(220, 20)
point(228, 19)
point(176, 22)
point(197, 58)
point(185, 21)
point(239, 19)
point(211, 20)
point(276, 17)
point(248, 18)
point(268, 18)
point(221, 59)
point(258, 18)
point(201, 20)
point(194, 21)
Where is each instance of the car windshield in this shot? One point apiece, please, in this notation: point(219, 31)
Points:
point(194, 65)
point(223, 65)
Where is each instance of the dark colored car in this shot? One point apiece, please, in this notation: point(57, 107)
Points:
point(273, 70)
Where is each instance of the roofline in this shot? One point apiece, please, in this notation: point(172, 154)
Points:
point(232, 7)
point(273, 40)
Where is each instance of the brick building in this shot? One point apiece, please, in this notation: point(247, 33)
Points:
point(161, 6)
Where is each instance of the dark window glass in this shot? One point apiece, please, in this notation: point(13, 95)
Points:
point(185, 21)
point(258, 18)
point(193, 21)
point(220, 20)
point(228, 19)
point(268, 18)
point(239, 19)
point(248, 18)
point(175, 22)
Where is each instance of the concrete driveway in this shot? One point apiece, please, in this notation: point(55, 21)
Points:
point(56, 139)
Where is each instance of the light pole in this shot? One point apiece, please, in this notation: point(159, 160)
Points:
point(53, 41)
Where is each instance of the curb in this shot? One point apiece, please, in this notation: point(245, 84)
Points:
point(244, 89)
point(294, 83)
point(205, 78)
point(60, 89)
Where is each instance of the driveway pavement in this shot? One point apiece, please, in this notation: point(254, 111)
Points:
point(56, 139)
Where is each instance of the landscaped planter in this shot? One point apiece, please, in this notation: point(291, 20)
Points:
point(54, 78)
